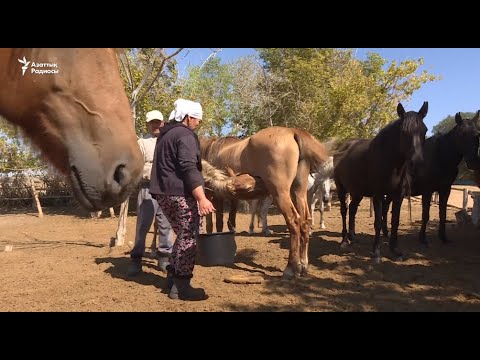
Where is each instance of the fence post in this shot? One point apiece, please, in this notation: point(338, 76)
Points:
point(410, 208)
point(465, 198)
point(35, 197)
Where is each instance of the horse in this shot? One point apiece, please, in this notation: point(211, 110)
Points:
point(282, 157)
point(442, 154)
point(320, 193)
point(209, 150)
point(225, 184)
point(72, 105)
point(378, 167)
point(318, 189)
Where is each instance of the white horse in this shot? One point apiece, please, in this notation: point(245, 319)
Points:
point(319, 185)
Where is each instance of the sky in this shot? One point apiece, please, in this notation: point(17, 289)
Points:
point(456, 91)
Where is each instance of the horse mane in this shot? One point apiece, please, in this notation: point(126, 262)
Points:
point(209, 147)
point(217, 179)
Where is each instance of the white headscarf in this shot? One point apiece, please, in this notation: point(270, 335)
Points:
point(186, 107)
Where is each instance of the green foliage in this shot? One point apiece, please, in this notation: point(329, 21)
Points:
point(159, 91)
point(210, 85)
point(15, 151)
point(329, 92)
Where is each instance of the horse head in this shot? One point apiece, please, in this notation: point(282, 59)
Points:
point(466, 139)
point(412, 134)
point(75, 110)
point(245, 186)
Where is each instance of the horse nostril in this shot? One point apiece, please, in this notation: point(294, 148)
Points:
point(119, 174)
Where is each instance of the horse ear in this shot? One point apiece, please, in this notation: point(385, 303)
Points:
point(424, 109)
point(400, 110)
point(229, 171)
point(458, 118)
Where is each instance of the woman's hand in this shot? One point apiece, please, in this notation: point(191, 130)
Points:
point(205, 207)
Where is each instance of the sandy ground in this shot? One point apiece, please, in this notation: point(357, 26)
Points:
point(63, 263)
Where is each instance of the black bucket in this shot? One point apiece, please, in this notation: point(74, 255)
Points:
point(216, 249)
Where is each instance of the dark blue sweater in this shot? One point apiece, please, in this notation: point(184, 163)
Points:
point(177, 165)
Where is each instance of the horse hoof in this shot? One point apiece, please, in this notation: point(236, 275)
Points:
point(344, 245)
point(304, 271)
point(289, 274)
point(267, 232)
point(323, 226)
point(376, 260)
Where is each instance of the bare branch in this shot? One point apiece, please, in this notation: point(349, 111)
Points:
point(134, 96)
point(126, 68)
point(213, 54)
point(162, 65)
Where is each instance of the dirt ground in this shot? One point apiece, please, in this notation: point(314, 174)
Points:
point(63, 263)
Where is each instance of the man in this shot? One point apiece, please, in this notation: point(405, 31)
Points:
point(147, 208)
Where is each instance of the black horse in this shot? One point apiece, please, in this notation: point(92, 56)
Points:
point(377, 167)
point(442, 155)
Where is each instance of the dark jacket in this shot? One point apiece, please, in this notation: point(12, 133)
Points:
point(177, 165)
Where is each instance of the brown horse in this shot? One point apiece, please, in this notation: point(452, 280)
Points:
point(282, 158)
point(225, 185)
point(72, 104)
point(209, 150)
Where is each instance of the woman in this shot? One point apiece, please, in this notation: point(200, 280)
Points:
point(177, 184)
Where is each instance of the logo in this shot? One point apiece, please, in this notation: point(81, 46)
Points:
point(38, 68)
point(25, 65)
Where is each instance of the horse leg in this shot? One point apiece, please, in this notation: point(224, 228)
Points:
point(264, 212)
point(443, 196)
point(232, 215)
point(312, 206)
point(377, 208)
point(342, 198)
point(219, 205)
point(299, 188)
point(351, 216)
point(322, 208)
point(209, 218)
point(292, 219)
point(426, 201)
point(253, 211)
point(396, 206)
point(385, 206)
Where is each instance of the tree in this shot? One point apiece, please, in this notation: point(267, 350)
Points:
point(144, 76)
point(329, 92)
point(15, 151)
point(210, 84)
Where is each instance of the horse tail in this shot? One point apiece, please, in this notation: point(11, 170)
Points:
point(311, 149)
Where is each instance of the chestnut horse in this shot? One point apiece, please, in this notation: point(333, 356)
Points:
point(72, 104)
point(282, 157)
